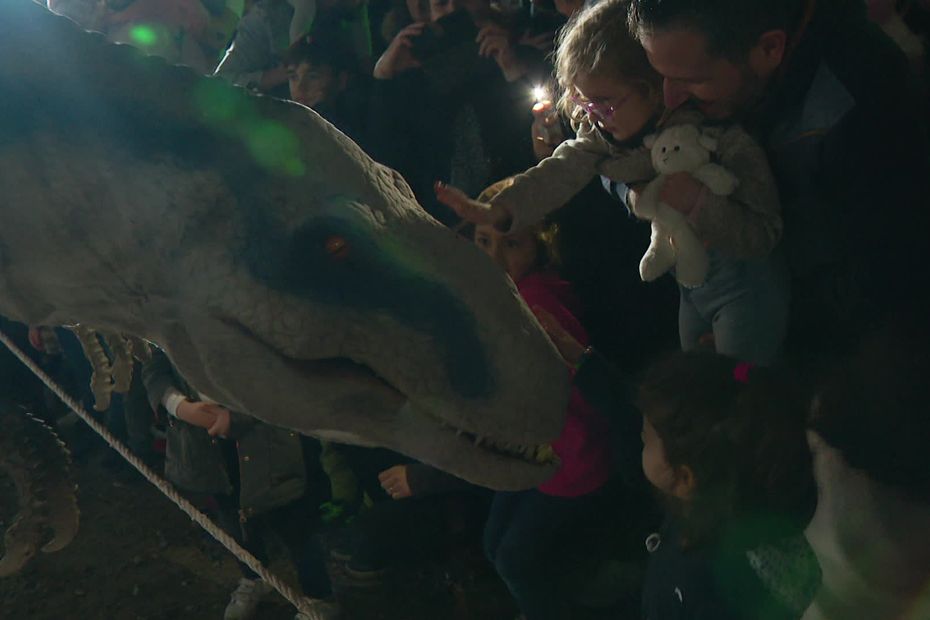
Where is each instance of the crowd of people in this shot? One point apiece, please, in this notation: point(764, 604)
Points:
point(546, 133)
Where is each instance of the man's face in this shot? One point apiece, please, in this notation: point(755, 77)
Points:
point(719, 87)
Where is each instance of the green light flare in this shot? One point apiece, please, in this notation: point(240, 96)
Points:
point(271, 144)
point(143, 36)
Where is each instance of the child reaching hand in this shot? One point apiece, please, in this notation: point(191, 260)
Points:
point(521, 526)
point(614, 98)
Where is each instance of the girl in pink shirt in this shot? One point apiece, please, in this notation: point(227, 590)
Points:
point(521, 525)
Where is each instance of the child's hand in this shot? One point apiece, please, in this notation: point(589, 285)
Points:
point(198, 413)
point(571, 350)
point(394, 482)
point(35, 338)
point(468, 209)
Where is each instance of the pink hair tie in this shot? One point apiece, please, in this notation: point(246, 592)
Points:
point(741, 371)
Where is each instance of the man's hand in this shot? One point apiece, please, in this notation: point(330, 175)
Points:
point(468, 209)
point(494, 42)
point(681, 191)
point(398, 58)
point(544, 41)
point(546, 130)
point(394, 482)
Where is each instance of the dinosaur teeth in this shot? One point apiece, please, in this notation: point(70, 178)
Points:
point(544, 454)
point(541, 454)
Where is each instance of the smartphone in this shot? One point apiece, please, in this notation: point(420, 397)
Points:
point(443, 34)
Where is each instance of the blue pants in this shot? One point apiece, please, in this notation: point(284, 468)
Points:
point(519, 540)
point(744, 303)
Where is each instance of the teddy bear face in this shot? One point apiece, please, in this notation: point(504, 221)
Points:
point(679, 149)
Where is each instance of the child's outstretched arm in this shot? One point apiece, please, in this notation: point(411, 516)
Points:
point(471, 210)
point(550, 184)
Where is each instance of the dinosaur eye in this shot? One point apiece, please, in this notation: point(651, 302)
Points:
point(677, 148)
point(664, 149)
point(337, 247)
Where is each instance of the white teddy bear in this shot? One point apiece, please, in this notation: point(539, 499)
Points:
point(680, 148)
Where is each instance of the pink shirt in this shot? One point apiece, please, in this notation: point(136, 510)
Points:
point(583, 445)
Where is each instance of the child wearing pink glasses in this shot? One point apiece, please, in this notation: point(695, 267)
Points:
point(614, 99)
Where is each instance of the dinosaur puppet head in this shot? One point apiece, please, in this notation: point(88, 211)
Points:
point(285, 273)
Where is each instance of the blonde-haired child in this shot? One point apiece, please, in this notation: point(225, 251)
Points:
point(613, 97)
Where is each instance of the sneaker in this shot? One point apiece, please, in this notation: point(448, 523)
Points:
point(364, 571)
point(340, 554)
point(324, 610)
point(245, 599)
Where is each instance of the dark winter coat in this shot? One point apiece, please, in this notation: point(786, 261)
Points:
point(845, 135)
point(271, 462)
point(775, 581)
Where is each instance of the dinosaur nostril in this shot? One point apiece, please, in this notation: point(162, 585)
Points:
point(337, 246)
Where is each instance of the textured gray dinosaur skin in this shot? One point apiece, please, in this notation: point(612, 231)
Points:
point(285, 273)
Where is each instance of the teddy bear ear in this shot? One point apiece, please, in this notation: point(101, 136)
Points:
point(708, 142)
point(650, 140)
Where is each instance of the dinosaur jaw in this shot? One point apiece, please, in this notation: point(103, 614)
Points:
point(431, 439)
point(343, 401)
point(500, 466)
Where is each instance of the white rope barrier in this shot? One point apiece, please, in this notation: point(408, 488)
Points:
point(314, 608)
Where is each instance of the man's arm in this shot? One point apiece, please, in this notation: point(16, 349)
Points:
point(249, 55)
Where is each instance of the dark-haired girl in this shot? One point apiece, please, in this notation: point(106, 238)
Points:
point(724, 443)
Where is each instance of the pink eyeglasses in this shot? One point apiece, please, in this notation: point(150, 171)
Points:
point(601, 110)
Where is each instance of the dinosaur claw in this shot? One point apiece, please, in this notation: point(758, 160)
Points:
point(63, 516)
point(40, 467)
point(20, 545)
